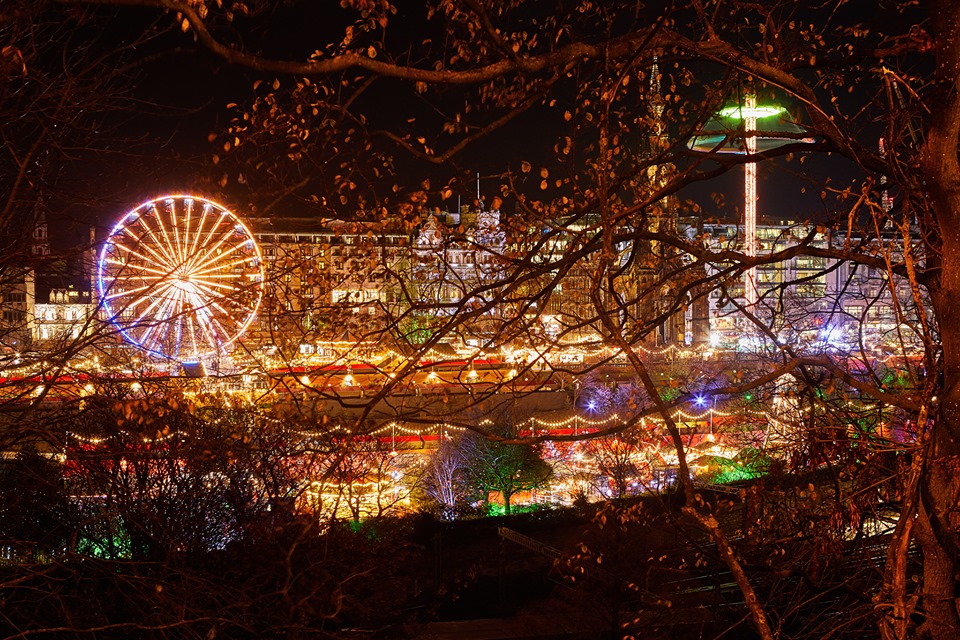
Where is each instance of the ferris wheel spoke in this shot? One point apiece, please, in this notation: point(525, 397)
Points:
point(220, 218)
point(130, 292)
point(154, 302)
point(214, 323)
point(216, 297)
point(149, 279)
point(207, 329)
point(155, 260)
point(172, 311)
point(227, 312)
point(199, 230)
point(177, 339)
point(167, 245)
point(160, 254)
point(142, 333)
point(134, 306)
point(215, 289)
point(137, 271)
point(209, 237)
point(220, 267)
point(192, 335)
point(180, 314)
point(156, 273)
point(144, 337)
point(116, 255)
point(228, 335)
point(229, 254)
point(225, 235)
point(212, 255)
point(182, 243)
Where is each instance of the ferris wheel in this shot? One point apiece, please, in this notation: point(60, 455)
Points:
point(181, 277)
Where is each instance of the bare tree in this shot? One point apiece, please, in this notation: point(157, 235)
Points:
point(446, 478)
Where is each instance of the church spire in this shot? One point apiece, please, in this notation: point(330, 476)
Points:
point(655, 103)
point(40, 245)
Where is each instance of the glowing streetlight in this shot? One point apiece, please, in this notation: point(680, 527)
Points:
point(700, 400)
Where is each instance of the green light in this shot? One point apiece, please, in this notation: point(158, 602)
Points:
point(759, 111)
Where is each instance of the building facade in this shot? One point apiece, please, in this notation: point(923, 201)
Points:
point(806, 299)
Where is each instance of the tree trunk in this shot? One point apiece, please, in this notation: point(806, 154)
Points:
point(936, 523)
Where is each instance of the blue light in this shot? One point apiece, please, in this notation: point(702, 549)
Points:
point(700, 400)
point(592, 405)
point(830, 335)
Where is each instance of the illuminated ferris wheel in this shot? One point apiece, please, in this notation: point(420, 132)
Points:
point(180, 277)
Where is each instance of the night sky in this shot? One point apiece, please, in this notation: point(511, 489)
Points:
point(182, 95)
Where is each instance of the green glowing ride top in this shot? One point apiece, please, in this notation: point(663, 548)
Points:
point(724, 133)
point(744, 111)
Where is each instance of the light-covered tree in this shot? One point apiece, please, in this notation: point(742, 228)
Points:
point(495, 465)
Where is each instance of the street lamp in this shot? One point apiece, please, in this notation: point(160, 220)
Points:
point(701, 401)
point(713, 410)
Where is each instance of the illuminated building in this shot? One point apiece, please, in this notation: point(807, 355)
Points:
point(809, 300)
point(17, 301)
point(454, 254)
point(336, 282)
point(327, 280)
point(47, 299)
point(68, 314)
point(18, 291)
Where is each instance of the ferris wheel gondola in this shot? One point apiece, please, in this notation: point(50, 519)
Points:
point(181, 277)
